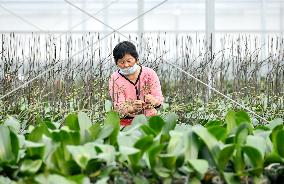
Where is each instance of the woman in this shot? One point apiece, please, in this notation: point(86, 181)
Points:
point(134, 89)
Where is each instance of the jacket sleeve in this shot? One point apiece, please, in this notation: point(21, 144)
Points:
point(155, 88)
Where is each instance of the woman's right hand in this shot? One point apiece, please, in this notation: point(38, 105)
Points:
point(138, 105)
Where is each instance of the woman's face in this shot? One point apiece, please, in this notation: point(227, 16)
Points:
point(126, 62)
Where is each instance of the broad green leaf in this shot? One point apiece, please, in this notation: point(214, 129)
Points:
point(194, 181)
point(225, 155)
point(15, 143)
point(80, 179)
point(168, 160)
point(144, 143)
point(108, 105)
point(147, 130)
point(255, 158)
point(162, 172)
point(258, 143)
point(219, 132)
point(241, 134)
point(280, 143)
point(6, 153)
point(82, 154)
point(6, 180)
point(274, 133)
point(152, 153)
point(66, 137)
point(170, 122)
point(112, 118)
point(231, 178)
point(176, 145)
point(234, 119)
point(135, 160)
point(72, 122)
point(210, 141)
point(191, 145)
point(84, 124)
point(84, 121)
point(103, 180)
point(37, 132)
point(12, 123)
point(128, 150)
point(272, 124)
point(34, 149)
point(214, 123)
point(140, 180)
point(94, 131)
point(63, 163)
point(138, 121)
point(105, 131)
point(107, 153)
point(52, 179)
point(200, 166)
point(156, 123)
point(240, 138)
point(30, 166)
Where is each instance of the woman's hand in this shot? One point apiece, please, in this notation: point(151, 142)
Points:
point(151, 101)
point(138, 105)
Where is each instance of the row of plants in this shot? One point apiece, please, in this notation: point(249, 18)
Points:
point(240, 67)
point(159, 149)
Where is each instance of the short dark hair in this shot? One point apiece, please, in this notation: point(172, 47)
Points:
point(123, 48)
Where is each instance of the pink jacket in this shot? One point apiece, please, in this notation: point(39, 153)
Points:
point(123, 92)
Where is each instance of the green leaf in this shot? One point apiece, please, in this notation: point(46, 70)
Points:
point(140, 180)
point(84, 121)
point(162, 172)
point(168, 160)
point(144, 143)
point(128, 150)
point(234, 119)
point(107, 153)
point(280, 143)
point(231, 178)
point(255, 159)
point(275, 122)
point(34, 150)
point(112, 119)
point(210, 141)
point(52, 179)
point(6, 180)
point(6, 154)
point(72, 122)
point(200, 166)
point(80, 179)
point(138, 121)
point(82, 154)
point(219, 132)
point(152, 153)
point(108, 105)
point(156, 123)
point(170, 122)
point(176, 145)
point(94, 131)
point(258, 143)
point(147, 130)
point(30, 166)
point(225, 155)
point(191, 142)
point(37, 132)
point(66, 137)
point(105, 132)
point(13, 123)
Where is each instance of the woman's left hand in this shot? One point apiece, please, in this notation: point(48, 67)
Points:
point(151, 101)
